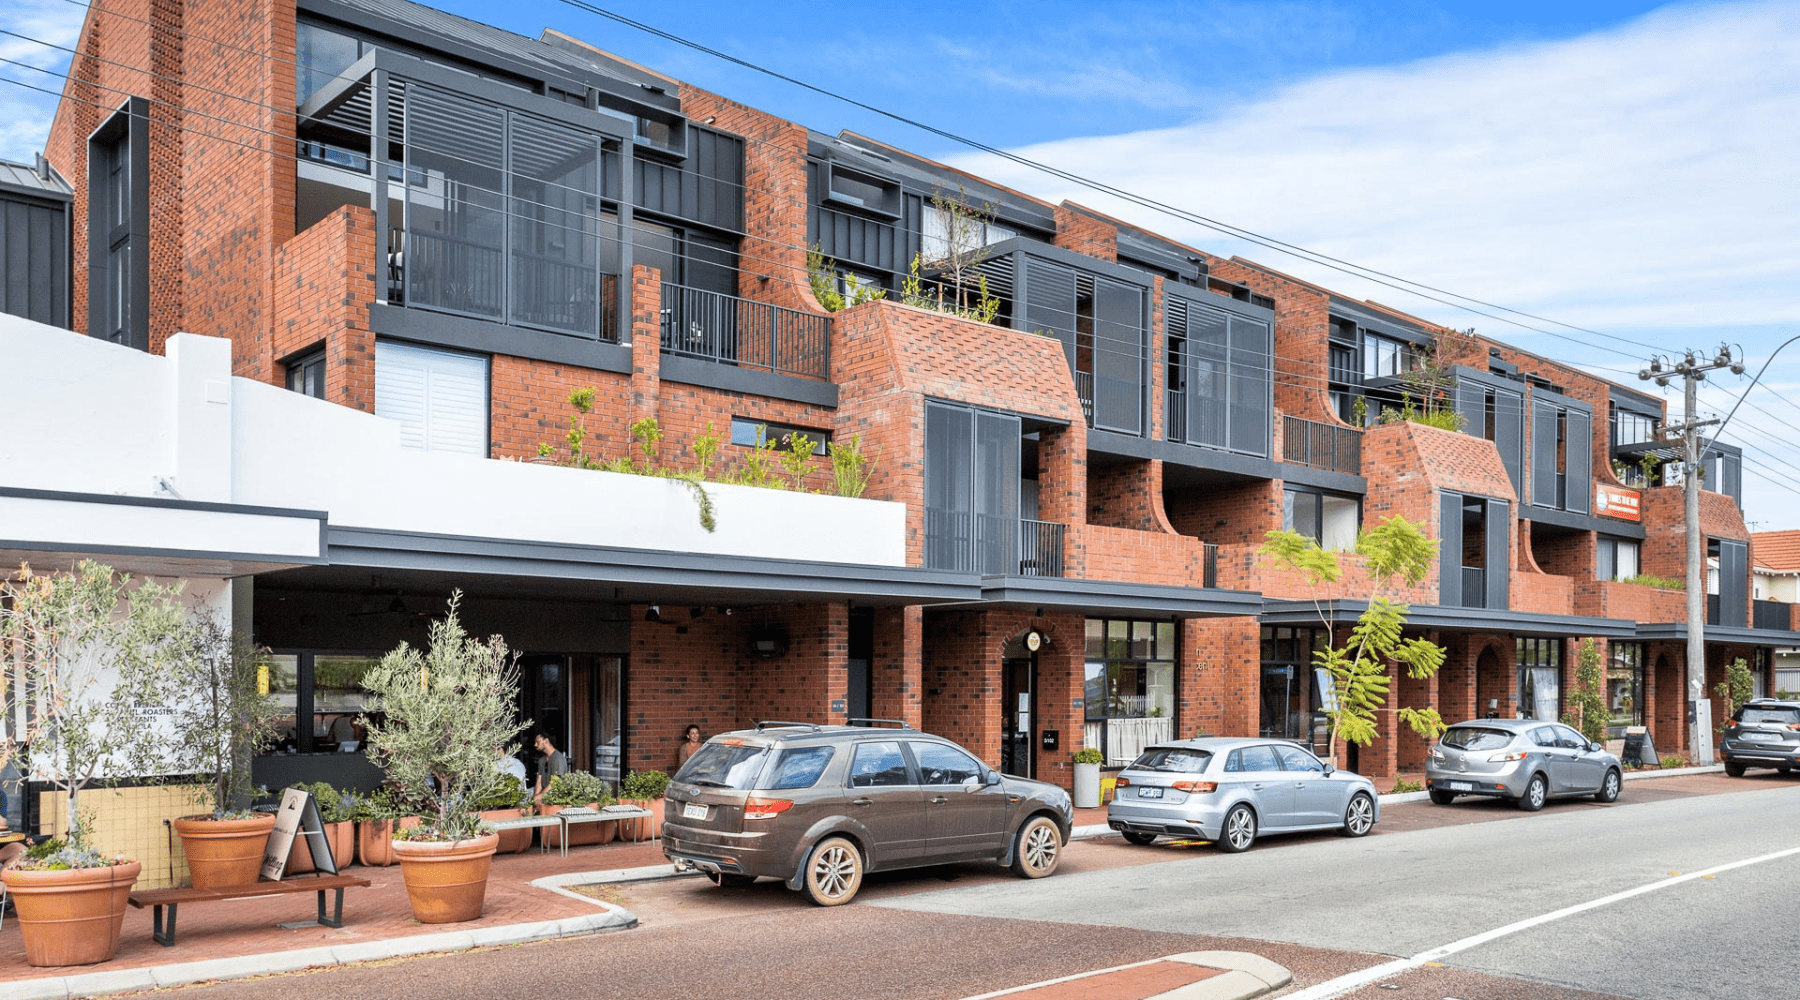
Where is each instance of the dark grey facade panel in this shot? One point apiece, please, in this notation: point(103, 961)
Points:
point(1454, 619)
point(692, 371)
point(1103, 597)
point(1733, 572)
point(34, 259)
point(466, 334)
point(1581, 522)
point(1543, 454)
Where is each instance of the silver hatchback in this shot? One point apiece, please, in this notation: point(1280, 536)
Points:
point(1229, 791)
point(1526, 760)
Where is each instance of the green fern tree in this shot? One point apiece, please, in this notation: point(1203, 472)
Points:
point(1397, 554)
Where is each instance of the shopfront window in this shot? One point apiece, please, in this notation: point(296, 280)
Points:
point(1624, 687)
point(322, 700)
point(1129, 686)
point(1294, 686)
point(1540, 678)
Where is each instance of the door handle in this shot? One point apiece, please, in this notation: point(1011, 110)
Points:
point(1256, 785)
point(938, 800)
point(862, 802)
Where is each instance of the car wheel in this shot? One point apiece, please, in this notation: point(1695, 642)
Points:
point(1133, 837)
point(1239, 831)
point(834, 872)
point(1734, 770)
point(730, 880)
point(1535, 794)
point(1441, 798)
point(1359, 817)
point(1609, 788)
point(1039, 849)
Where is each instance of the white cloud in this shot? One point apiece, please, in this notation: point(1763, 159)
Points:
point(1642, 181)
point(28, 92)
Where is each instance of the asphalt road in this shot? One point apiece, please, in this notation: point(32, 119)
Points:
point(1404, 895)
point(1324, 906)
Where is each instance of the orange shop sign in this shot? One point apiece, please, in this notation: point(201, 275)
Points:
point(1610, 501)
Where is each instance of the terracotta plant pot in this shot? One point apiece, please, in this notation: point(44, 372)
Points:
point(224, 852)
point(71, 917)
point(341, 837)
point(581, 834)
point(375, 837)
point(642, 829)
point(511, 841)
point(446, 881)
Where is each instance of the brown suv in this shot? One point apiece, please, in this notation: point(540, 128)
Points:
point(817, 806)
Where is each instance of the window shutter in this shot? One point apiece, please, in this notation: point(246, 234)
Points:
point(440, 398)
point(1450, 550)
point(1499, 552)
point(1579, 457)
point(1543, 453)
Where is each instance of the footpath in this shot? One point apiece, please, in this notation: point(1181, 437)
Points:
point(531, 897)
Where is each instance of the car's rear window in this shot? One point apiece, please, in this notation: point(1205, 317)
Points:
point(724, 765)
point(1180, 760)
point(1780, 716)
point(800, 767)
point(1474, 738)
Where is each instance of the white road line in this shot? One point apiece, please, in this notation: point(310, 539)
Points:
point(1355, 980)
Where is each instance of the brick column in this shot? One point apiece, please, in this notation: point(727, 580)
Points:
point(646, 341)
point(894, 675)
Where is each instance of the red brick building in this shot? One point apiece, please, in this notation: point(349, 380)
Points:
point(417, 216)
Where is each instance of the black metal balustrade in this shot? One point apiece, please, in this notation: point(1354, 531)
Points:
point(970, 543)
point(1321, 445)
point(728, 330)
point(1474, 587)
point(1175, 410)
point(1209, 554)
point(430, 270)
point(1773, 614)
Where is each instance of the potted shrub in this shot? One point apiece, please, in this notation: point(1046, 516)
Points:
point(578, 789)
point(218, 716)
point(506, 797)
point(643, 789)
point(1087, 777)
point(375, 816)
point(444, 710)
point(75, 647)
point(336, 810)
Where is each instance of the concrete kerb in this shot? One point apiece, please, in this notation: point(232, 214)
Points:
point(1243, 975)
point(247, 966)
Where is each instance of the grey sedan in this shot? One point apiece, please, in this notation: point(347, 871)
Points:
point(1526, 760)
point(1230, 791)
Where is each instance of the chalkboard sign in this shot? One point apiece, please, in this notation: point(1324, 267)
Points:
point(1639, 748)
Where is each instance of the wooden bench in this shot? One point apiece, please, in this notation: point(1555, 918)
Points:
point(173, 898)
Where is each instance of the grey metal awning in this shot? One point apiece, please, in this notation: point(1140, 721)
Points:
point(1451, 619)
point(1677, 632)
point(1105, 597)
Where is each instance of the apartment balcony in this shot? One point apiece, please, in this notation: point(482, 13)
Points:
point(963, 542)
point(1321, 446)
point(727, 330)
point(482, 280)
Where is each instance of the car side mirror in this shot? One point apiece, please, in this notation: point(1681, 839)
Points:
point(1594, 747)
point(1330, 767)
point(993, 776)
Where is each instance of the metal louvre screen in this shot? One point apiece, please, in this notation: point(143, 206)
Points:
point(996, 477)
point(555, 258)
point(1118, 324)
point(1733, 559)
point(1209, 391)
point(455, 221)
point(1471, 405)
point(1450, 549)
point(1509, 436)
point(949, 488)
point(1498, 527)
point(1250, 387)
point(1578, 459)
point(1543, 453)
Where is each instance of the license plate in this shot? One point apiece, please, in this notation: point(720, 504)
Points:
point(1760, 738)
point(1459, 786)
point(693, 810)
point(1149, 793)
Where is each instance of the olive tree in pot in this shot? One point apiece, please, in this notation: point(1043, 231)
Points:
point(219, 716)
point(79, 649)
point(643, 789)
point(445, 709)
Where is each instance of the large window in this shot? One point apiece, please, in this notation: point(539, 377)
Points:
point(322, 699)
point(1616, 558)
point(1624, 686)
point(1632, 428)
point(1327, 518)
point(306, 374)
point(1295, 690)
point(1129, 688)
point(1384, 356)
point(1540, 678)
point(118, 228)
point(1219, 379)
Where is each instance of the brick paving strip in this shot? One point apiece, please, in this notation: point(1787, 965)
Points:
point(1197, 975)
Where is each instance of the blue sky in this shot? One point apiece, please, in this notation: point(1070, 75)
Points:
point(1629, 169)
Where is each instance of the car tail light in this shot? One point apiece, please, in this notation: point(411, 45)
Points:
point(1501, 758)
point(1196, 787)
point(1122, 783)
point(1794, 725)
point(755, 808)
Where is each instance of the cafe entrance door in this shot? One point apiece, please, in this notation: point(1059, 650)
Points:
point(1018, 722)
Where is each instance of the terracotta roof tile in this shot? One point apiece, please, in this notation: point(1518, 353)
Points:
point(1778, 550)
